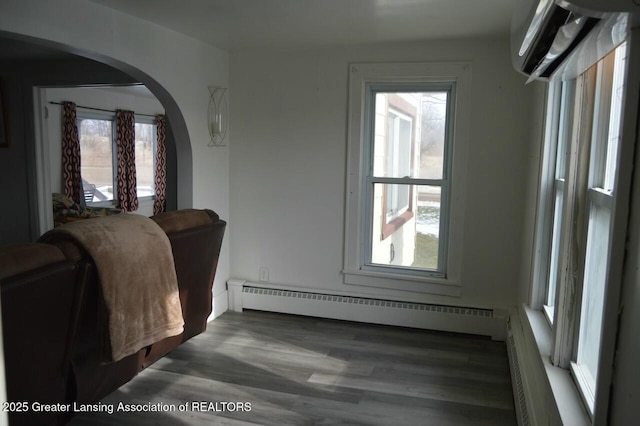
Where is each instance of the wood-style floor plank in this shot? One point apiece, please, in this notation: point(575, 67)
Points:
point(306, 371)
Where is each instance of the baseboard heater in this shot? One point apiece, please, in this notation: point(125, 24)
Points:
point(519, 396)
point(472, 320)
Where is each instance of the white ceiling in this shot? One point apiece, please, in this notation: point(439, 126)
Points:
point(247, 24)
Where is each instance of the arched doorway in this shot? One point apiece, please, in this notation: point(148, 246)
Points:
point(28, 66)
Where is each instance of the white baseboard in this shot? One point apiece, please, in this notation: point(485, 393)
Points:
point(319, 303)
point(220, 305)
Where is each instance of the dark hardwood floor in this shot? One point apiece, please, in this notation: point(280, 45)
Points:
point(291, 370)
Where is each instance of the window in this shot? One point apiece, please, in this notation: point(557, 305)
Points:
point(408, 162)
point(563, 135)
point(601, 185)
point(403, 225)
point(145, 159)
point(574, 241)
point(98, 157)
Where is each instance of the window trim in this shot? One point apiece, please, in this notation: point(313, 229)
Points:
point(355, 251)
point(617, 201)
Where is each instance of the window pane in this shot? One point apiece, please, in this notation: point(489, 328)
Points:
point(397, 201)
point(96, 143)
point(408, 236)
point(145, 135)
point(593, 291)
point(428, 225)
point(432, 135)
point(555, 248)
point(615, 117)
point(565, 123)
point(410, 131)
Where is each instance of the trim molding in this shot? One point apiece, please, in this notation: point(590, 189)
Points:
point(220, 305)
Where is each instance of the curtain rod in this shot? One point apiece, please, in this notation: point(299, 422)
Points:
point(100, 109)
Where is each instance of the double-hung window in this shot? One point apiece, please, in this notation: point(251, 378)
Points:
point(407, 187)
point(575, 217)
point(99, 161)
point(599, 202)
point(406, 145)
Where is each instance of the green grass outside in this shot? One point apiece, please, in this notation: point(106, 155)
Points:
point(426, 255)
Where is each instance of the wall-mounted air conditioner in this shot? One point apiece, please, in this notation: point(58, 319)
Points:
point(551, 37)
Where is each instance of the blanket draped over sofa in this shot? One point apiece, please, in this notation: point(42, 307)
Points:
point(137, 276)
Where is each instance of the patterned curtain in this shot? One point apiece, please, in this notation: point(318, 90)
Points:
point(126, 145)
point(71, 154)
point(159, 204)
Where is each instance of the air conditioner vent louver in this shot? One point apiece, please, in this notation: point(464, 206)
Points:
point(540, 46)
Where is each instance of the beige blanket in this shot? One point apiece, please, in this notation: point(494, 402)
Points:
point(137, 276)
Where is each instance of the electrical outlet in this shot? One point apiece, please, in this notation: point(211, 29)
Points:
point(264, 274)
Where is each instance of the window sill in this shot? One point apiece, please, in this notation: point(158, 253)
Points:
point(416, 284)
point(566, 396)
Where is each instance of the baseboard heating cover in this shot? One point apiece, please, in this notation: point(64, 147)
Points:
point(519, 397)
point(488, 322)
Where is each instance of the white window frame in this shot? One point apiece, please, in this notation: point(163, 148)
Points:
point(600, 196)
point(585, 188)
point(107, 116)
point(355, 256)
point(561, 142)
point(399, 116)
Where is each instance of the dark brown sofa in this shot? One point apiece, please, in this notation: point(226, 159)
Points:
point(80, 374)
point(40, 294)
point(196, 238)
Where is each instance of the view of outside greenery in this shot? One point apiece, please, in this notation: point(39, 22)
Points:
point(427, 241)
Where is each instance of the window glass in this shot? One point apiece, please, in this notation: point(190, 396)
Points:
point(96, 153)
point(408, 168)
point(419, 246)
point(604, 148)
point(433, 128)
point(564, 140)
point(145, 137)
point(615, 118)
point(593, 292)
point(99, 163)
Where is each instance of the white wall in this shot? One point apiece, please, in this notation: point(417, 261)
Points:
point(96, 98)
point(288, 160)
point(176, 68)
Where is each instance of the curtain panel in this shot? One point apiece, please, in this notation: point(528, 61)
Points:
point(126, 173)
point(159, 205)
point(72, 180)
